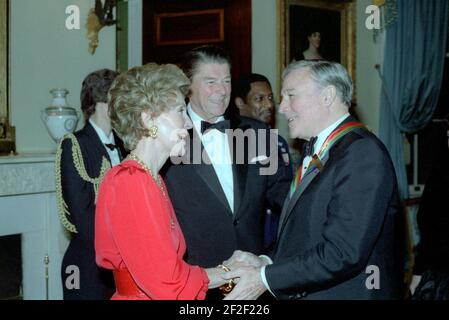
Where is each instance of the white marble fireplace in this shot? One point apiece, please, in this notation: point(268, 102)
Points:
point(28, 207)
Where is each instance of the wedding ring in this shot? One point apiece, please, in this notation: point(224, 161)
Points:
point(226, 288)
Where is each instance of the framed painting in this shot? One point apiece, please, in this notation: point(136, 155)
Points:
point(334, 21)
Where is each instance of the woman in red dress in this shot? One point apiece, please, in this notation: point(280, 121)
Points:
point(137, 234)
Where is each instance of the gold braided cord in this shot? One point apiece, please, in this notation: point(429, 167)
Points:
point(81, 169)
point(62, 206)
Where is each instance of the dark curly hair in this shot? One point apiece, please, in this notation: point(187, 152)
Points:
point(95, 89)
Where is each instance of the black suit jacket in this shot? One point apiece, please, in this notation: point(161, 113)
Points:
point(79, 195)
point(211, 230)
point(342, 223)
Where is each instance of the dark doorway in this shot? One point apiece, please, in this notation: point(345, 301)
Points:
point(172, 27)
point(10, 267)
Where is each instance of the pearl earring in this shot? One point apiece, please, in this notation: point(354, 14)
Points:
point(152, 132)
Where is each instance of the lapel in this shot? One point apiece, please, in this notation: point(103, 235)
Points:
point(290, 202)
point(121, 148)
point(239, 170)
point(305, 182)
point(96, 143)
point(199, 161)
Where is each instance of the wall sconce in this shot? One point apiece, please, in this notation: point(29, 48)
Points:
point(100, 16)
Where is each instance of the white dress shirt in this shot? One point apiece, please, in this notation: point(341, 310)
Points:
point(113, 154)
point(216, 145)
point(321, 138)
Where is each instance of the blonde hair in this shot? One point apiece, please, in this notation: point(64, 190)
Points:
point(150, 87)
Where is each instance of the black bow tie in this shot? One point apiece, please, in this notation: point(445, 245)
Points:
point(220, 126)
point(110, 146)
point(307, 149)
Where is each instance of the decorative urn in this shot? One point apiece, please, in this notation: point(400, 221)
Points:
point(59, 118)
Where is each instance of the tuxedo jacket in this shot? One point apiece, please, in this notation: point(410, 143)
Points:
point(212, 231)
point(341, 233)
point(79, 195)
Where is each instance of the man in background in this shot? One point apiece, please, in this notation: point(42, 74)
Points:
point(253, 98)
point(82, 160)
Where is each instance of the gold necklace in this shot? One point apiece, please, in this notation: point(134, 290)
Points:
point(156, 178)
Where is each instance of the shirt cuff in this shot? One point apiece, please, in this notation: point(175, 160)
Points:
point(264, 279)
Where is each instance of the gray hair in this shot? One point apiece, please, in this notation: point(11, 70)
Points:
point(326, 73)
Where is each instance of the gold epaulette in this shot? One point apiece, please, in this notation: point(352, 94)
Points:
point(78, 162)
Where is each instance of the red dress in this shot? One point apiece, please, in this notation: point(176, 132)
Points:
point(138, 236)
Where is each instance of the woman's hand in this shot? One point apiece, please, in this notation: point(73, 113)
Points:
point(215, 277)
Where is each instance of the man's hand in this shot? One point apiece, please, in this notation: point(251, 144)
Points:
point(249, 286)
point(244, 259)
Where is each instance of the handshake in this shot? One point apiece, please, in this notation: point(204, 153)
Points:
point(243, 275)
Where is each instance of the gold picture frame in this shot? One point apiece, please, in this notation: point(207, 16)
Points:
point(7, 132)
point(343, 12)
point(3, 58)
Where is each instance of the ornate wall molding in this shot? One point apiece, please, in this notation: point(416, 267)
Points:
point(27, 174)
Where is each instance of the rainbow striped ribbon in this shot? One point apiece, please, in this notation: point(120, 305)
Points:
point(327, 145)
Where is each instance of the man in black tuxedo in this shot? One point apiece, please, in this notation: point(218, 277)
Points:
point(82, 160)
point(340, 231)
point(253, 98)
point(221, 189)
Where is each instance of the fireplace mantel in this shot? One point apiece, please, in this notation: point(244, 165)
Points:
point(28, 207)
point(27, 174)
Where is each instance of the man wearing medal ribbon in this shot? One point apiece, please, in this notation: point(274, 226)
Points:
point(340, 231)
